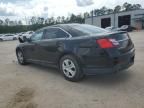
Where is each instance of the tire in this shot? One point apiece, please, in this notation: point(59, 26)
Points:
point(1, 40)
point(20, 57)
point(70, 68)
point(14, 38)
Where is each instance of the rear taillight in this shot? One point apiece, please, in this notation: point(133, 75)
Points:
point(107, 43)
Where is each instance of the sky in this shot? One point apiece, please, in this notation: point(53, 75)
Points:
point(21, 9)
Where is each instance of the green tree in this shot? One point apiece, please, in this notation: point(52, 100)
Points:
point(63, 19)
point(33, 20)
point(117, 9)
point(19, 22)
point(58, 20)
point(11, 23)
point(86, 14)
point(109, 11)
point(80, 18)
point(39, 20)
point(127, 7)
point(92, 13)
point(96, 12)
point(7, 20)
point(72, 18)
point(136, 6)
point(46, 21)
point(52, 21)
point(103, 10)
point(1, 22)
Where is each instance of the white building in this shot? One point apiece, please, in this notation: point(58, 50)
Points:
point(134, 18)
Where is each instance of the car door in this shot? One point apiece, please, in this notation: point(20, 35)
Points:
point(8, 37)
point(11, 37)
point(32, 48)
point(50, 42)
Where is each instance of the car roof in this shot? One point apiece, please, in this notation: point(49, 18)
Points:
point(61, 25)
point(69, 24)
point(65, 27)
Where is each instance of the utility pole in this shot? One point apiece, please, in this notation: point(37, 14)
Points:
point(92, 16)
point(114, 17)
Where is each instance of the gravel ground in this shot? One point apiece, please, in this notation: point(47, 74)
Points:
point(34, 86)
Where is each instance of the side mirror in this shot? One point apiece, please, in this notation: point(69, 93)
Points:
point(20, 40)
point(25, 39)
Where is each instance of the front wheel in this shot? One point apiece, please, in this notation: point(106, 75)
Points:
point(20, 57)
point(70, 68)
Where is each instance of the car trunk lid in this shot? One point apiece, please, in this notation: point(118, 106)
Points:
point(124, 40)
point(121, 42)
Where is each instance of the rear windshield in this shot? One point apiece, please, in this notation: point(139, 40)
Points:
point(84, 29)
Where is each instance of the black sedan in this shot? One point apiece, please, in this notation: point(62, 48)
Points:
point(78, 50)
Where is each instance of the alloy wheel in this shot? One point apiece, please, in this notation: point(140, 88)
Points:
point(20, 56)
point(69, 68)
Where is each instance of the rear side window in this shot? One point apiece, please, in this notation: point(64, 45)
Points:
point(52, 33)
point(8, 35)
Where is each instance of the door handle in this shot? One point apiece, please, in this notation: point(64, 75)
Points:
point(60, 46)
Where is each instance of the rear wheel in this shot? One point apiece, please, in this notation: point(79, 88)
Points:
point(20, 57)
point(70, 68)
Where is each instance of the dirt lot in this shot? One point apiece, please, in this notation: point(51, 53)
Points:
point(34, 86)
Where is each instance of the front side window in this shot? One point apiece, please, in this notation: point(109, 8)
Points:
point(52, 33)
point(37, 36)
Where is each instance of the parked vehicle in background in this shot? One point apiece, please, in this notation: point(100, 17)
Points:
point(111, 28)
point(1, 35)
point(78, 50)
point(5, 37)
point(127, 28)
point(26, 34)
point(20, 34)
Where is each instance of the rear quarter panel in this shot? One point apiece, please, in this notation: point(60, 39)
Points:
point(86, 50)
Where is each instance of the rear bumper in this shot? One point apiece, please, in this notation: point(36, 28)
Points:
point(94, 71)
point(124, 62)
